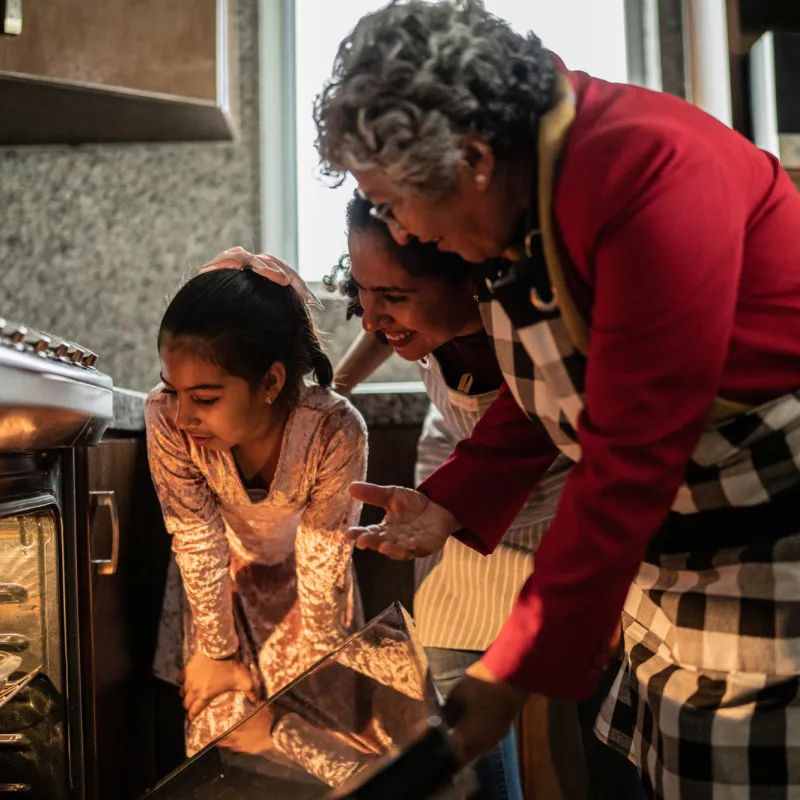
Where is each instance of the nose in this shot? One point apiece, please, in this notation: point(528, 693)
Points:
point(399, 233)
point(374, 318)
point(183, 420)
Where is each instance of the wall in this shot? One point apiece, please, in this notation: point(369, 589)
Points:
point(93, 238)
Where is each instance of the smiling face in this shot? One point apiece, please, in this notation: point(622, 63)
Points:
point(416, 314)
point(216, 409)
point(476, 219)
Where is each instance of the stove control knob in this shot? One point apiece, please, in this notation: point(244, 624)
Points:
point(75, 354)
point(59, 348)
point(38, 342)
point(18, 336)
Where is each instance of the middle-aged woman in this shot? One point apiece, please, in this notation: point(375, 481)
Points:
point(653, 277)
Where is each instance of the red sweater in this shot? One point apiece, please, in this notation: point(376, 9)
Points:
point(686, 242)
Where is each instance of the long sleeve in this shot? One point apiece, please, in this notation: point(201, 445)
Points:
point(324, 568)
point(489, 477)
point(666, 276)
point(192, 516)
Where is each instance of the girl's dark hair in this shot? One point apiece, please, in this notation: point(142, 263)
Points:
point(418, 259)
point(244, 323)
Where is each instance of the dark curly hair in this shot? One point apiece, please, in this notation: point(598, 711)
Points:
point(244, 323)
point(421, 260)
point(412, 77)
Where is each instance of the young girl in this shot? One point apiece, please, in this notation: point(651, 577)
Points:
point(252, 467)
point(420, 303)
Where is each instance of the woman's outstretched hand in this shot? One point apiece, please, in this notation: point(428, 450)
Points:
point(413, 526)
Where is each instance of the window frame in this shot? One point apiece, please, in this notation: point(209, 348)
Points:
point(278, 109)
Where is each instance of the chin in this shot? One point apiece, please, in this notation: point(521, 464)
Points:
point(415, 354)
point(472, 255)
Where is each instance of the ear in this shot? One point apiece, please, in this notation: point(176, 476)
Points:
point(274, 381)
point(478, 161)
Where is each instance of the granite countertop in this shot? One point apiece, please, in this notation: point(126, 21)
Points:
point(382, 405)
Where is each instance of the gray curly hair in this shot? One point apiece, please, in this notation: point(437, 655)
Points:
point(414, 76)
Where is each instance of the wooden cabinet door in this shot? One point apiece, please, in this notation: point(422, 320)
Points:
point(83, 71)
point(126, 606)
point(145, 45)
point(392, 455)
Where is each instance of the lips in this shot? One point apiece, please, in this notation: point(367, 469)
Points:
point(200, 441)
point(400, 340)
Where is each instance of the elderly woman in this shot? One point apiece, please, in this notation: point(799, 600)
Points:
point(653, 278)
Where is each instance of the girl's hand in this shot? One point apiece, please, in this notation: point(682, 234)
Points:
point(206, 678)
point(254, 735)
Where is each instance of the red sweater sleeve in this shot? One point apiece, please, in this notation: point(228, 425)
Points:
point(489, 476)
point(666, 272)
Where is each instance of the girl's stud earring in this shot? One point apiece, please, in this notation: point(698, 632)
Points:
point(480, 179)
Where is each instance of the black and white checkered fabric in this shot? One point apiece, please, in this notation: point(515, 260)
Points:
point(742, 461)
point(707, 702)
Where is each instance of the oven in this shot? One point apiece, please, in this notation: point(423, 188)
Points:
point(54, 404)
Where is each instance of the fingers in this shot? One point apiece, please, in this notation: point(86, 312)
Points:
point(395, 552)
point(390, 544)
point(372, 494)
point(275, 270)
point(238, 257)
point(233, 257)
point(189, 699)
point(369, 538)
point(247, 685)
point(197, 705)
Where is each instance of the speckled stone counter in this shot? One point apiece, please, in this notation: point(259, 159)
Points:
point(128, 411)
point(383, 405)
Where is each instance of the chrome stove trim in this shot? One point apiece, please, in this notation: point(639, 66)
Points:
point(44, 403)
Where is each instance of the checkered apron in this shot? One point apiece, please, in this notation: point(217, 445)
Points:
point(706, 702)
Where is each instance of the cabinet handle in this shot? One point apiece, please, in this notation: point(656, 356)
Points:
point(12, 17)
point(107, 566)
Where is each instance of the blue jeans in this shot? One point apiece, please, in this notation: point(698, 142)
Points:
point(498, 770)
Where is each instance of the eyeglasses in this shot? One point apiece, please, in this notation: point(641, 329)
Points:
point(379, 211)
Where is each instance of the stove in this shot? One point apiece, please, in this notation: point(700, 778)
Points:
point(54, 402)
point(51, 392)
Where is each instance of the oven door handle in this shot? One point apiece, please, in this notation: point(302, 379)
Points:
point(106, 566)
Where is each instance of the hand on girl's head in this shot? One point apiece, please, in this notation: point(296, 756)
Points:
point(265, 265)
point(238, 258)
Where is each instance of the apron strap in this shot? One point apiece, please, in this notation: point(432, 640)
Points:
point(537, 269)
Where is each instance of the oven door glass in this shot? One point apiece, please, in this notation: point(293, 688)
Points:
point(342, 718)
point(31, 679)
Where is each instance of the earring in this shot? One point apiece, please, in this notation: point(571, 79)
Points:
point(480, 180)
point(476, 298)
point(269, 400)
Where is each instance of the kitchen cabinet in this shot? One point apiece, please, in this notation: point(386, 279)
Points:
point(747, 21)
point(118, 71)
point(137, 720)
point(392, 455)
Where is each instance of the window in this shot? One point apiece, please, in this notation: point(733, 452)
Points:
point(304, 218)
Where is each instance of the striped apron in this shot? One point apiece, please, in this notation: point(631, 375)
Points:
point(463, 598)
point(706, 702)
